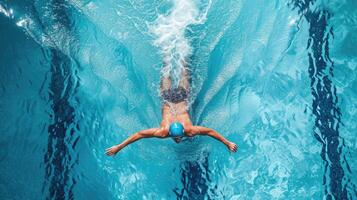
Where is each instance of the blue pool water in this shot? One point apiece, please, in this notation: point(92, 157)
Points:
point(276, 77)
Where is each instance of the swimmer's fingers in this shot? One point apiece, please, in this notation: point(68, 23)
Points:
point(111, 151)
point(232, 147)
point(235, 147)
point(108, 152)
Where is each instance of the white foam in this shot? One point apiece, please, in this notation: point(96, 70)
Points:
point(169, 33)
point(7, 12)
point(22, 22)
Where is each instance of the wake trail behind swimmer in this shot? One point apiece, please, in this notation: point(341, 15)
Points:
point(176, 122)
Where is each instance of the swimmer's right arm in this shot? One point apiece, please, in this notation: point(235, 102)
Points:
point(200, 130)
point(152, 132)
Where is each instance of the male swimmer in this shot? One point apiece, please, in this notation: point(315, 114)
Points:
point(176, 122)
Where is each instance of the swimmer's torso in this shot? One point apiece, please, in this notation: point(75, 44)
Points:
point(175, 112)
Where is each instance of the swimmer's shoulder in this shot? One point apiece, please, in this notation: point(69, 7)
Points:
point(189, 131)
point(163, 132)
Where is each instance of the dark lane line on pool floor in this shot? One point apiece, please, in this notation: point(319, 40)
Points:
point(196, 182)
point(61, 157)
point(337, 182)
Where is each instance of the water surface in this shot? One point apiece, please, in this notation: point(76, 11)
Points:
point(276, 77)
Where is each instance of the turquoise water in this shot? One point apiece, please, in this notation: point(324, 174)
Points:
point(276, 77)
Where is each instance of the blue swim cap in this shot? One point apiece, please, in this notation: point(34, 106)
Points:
point(176, 130)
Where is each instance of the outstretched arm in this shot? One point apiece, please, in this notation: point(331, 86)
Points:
point(152, 132)
point(200, 130)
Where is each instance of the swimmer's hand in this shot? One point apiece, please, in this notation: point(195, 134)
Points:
point(112, 150)
point(232, 147)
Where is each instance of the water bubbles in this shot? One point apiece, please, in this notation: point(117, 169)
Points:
point(169, 33)
point(22, 22)
point(292, 21)
point(7, 12)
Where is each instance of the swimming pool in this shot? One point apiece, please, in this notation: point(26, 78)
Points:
point(276, 77)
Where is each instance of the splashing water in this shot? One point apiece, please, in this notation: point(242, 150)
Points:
point(169, 32)
point(277, 78)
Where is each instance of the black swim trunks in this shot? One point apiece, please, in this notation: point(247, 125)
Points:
point(175, 95)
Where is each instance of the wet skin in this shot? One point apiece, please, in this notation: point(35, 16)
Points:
point(162, 132)
point(173, 112)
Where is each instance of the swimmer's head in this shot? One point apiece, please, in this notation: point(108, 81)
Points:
point(176, 131)
point(177, 139)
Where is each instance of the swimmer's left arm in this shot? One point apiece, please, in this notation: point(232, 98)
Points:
point(200, 130)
